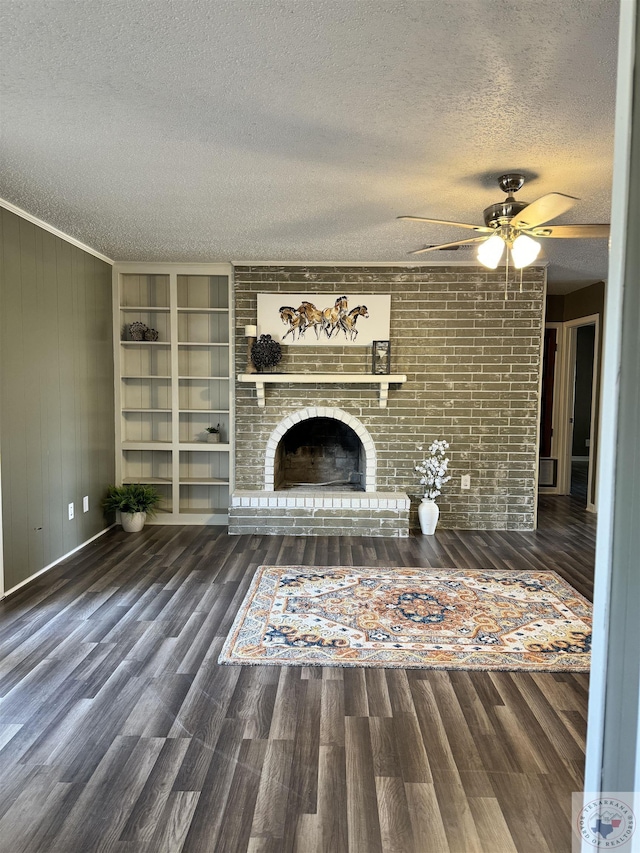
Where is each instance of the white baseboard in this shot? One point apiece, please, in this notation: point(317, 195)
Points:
point(55, 563)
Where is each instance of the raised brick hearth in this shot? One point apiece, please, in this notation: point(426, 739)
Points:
point(305, 513)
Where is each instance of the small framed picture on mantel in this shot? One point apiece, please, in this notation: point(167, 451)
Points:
point(381, 357)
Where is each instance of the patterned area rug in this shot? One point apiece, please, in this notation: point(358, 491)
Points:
point(410, 618)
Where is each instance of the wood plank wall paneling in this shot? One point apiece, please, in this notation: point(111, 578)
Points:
point(56, 391)
point(120, 732)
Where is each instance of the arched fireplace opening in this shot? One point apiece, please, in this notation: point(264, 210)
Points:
point(320, 453)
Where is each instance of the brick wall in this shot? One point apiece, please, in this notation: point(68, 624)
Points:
point(472, 364)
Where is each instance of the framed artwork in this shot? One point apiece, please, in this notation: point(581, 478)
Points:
point(324, 319)
point(381, 362)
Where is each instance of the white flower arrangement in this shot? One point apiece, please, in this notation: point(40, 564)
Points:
point(433, 469)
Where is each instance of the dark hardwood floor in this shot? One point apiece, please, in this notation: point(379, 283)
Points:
point(119, 731)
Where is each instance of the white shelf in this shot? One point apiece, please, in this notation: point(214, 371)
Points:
point(145, 410)
point(165, 481)
point(205, 445)
point(203, 344)
point(204, 411)
point(203, 310)
point(148, 376)
point(148, 309)
point(147, 445)
point(145, 343)
point(261, 380)
point(203, 481)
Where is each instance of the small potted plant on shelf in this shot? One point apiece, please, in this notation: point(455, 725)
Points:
point(214, 434)
point(135, 502)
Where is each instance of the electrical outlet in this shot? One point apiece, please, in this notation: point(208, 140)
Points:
point(85, 503)
point(465, 481)
point(71, 512)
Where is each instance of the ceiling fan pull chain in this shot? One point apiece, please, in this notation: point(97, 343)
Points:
point(506, 277)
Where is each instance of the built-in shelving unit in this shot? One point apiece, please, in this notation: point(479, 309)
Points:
point(168, 391)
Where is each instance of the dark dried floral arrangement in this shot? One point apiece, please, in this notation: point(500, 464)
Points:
point(265, 352)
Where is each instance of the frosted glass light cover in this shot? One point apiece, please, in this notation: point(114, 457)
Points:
point(490, 252)
point(524, 251)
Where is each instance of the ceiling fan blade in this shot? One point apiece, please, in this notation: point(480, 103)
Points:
point(482, 229)
point(543, 209)
point(568, 231)
point(447, 245)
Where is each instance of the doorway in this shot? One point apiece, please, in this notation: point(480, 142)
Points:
point(569, 410)
point(582, 410)
point(577, 446)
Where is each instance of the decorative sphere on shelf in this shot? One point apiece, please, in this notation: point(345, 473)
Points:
point(266, 353)
point(137, 330)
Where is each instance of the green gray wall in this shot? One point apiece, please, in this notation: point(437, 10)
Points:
point(56, 395)
point(579, 303)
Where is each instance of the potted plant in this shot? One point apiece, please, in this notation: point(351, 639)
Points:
point(214, 434)
point(134, 502)
point(433, 471)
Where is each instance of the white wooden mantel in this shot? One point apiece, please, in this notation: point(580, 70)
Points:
point(260, 380)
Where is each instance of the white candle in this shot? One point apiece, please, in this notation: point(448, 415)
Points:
point(251, 331)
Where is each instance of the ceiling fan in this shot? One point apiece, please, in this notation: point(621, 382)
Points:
point(512, 225)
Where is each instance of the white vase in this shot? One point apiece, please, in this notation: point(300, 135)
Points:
point(428, 512)
point(133, 522)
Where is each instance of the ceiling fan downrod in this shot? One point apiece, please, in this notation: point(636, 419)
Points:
point(503, 212)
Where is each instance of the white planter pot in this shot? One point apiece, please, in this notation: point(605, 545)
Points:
point(213, 437)
point(428, 512)
point(133, 522)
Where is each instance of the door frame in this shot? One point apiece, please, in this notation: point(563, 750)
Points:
point(558, 380)
point(566, 393)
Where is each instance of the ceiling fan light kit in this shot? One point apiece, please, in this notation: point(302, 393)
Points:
point(490, 252)
point(524, 251)
point(510, 225)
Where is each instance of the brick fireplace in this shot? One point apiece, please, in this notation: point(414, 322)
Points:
point(472, 362)
point(320, 477)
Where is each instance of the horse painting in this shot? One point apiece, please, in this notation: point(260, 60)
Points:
point(291, 318)
point(348, 321)
point(329, 324)
point(332, 315)
point(312, 316)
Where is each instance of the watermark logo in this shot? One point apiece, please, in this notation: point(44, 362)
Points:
point(605, 821)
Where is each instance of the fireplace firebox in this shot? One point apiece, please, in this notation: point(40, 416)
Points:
point(320, 453)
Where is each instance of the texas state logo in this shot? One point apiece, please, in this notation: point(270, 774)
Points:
point(607, 823)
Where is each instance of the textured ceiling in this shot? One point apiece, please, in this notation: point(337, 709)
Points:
point(297, 130)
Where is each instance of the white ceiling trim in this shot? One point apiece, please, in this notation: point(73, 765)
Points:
point(53, 230)
point(365, 264)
